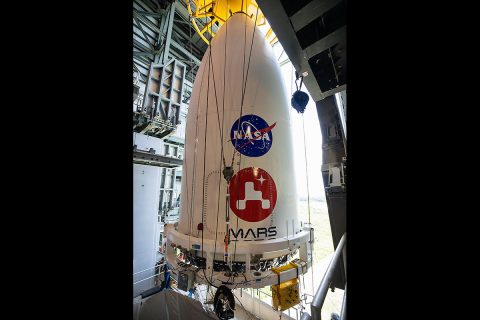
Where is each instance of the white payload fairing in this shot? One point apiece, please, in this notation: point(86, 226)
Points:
point(238, 212)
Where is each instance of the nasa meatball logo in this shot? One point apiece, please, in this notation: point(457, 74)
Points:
point(251, 135)
point(253, 194)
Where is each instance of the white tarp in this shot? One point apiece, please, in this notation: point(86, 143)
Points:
point(171, 305)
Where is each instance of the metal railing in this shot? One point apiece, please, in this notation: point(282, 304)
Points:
point(320, 295)
point(259, 292)
point(155, 274)
point(343, 313)
point(319, 299)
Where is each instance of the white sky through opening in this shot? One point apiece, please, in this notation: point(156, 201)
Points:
point(313, 136)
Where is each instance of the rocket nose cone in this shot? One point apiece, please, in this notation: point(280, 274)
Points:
point(239, 117)
point(240, 28)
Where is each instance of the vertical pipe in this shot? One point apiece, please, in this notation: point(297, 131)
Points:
point(343, 314)
point(319, 299)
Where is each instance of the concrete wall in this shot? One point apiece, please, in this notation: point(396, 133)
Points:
point(146, 189)
point(145, 142)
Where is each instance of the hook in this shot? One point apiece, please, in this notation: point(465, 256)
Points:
point(296, 81)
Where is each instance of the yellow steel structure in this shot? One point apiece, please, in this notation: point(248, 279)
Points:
point(286, 294)
point(212, 12)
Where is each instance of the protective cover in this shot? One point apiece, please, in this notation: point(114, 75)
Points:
point(171, 305)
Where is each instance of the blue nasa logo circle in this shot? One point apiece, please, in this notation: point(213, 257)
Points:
point(251, 135)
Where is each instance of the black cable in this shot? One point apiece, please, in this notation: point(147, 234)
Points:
point(238, 125)
point(191, 51)
point(205, 148)
point(190, 217)
point(206, 279)
point(216, 103)
point(185, 146)
point(224, 69)
point(205, 154)
point(221, 138)
point(216, 99)
point(222, 155)
point(308, 194)
point(249, 57)
point(241, 108)
point(243, 78)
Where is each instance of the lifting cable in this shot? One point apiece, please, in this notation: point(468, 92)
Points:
point(190, 216)
point(241, 108)
point(308, 197)
point(210, 65)
point(220, 128)
point(243, 78)
point(238, 129)
point(185, 146)
point(249, 56)
point(205, 146)
point(306, 175)
point(221, 135)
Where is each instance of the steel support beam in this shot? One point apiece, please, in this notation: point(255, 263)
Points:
point(177, 33)
point(280, 23)
point(181, 21)
point(333, 151)
point(180, 48)
point(144, 78)
point(141, 59)
point(142, 46)
point(152, 4)
point(184, 41)
point(181, 32)
point(310, 12)
point(152, 14)
point(143, 6)
point(145, 158)
point(188, 84)
point(142, 54)
point(145, 36)
point(284, 62)
point(331, 92)
point(168, 39)
point(326, 42)
point(183, 13)
point(139, 37)
point(150, 28)
point(149, 24)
